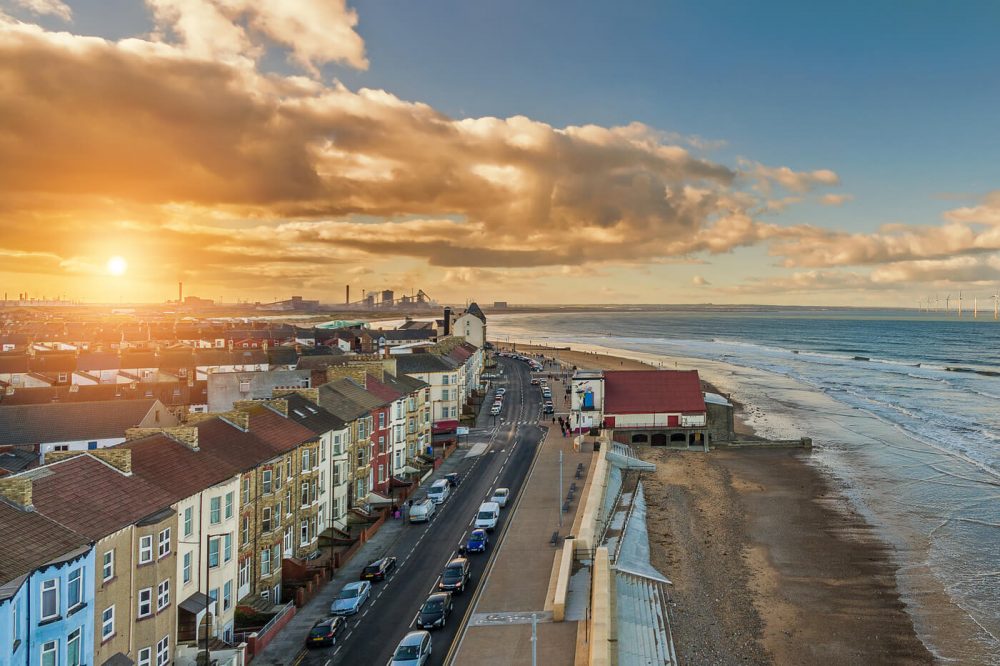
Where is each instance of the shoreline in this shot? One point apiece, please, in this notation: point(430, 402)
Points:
point(769, 559)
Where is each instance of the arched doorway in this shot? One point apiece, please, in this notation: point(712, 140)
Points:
point(678, 437)
point(659, 439)
point(639, 439)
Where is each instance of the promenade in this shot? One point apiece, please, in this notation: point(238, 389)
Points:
point(499, 626)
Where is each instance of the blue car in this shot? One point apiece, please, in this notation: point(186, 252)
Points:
point(351, 598)
point(477, 542)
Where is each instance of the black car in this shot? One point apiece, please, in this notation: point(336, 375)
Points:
point(455, 576)
point(452, 479)
point(379, 569)
point(325, 632)
point(434, 613)
point(549, 408)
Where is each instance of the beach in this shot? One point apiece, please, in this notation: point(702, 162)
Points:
point(770, 563)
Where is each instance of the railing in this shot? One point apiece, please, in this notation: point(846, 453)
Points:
point(277, 618)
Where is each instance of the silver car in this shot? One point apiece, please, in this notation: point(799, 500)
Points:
point(413, 650)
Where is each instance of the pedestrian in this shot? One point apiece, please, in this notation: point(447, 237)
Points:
point(411, 504)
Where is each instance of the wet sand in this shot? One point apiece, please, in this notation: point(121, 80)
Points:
point(770, 564)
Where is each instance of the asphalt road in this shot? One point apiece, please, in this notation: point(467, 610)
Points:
point(424, 549)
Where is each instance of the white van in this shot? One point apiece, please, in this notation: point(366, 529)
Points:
point(489, 513)
point(421, 511)
point(439, 491)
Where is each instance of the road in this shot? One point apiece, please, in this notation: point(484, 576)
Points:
point(423, 550)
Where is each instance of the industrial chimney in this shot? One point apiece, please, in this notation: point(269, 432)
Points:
point(180, 293)
point(447, 321)
point(348, 296)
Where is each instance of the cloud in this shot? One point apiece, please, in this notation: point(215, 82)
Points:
point(315, 32)
point(46, 7)
point(835, 199)
point(700, 281)
point(794, 181)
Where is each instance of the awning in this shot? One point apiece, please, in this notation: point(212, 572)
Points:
point(378, 500)
point(195, 604)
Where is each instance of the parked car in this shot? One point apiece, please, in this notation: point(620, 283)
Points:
point(456, 575)
point(494, 410)
point(379, 569)
point(325, 632)
point(549, 408)
point(500, 496)
point(452, 478)
point(534, 381)
point(352, 596)
point(434, 613)
point(439, 491)
point(422, 511)
point(501, 391)
point(413, 650)
point(486, 518)
point(477, 542)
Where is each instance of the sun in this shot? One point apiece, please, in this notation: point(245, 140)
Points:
point(117, 266)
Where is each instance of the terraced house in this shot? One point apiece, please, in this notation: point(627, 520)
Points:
point(46, 585)
point(358, 418)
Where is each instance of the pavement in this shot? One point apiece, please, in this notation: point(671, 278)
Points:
point(498, 627)
point(502, 453)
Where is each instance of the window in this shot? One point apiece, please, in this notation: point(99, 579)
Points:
point(454, 379)
point(245, 572)
point(215, 511)
point(229, 505)
point(146, 549)
point(265, 520)
point(145, 602)
point(336, 444)
point(163, 651)
point(381, 444)
point(322, 452)
point(322, 482)
point(163, 595)
point(305, 460)
point(244, 386)
point(287, 541)
point(288, 469)
point(213, 552)
point(277, 516)
point(444, 394)
point(381, 420)
point(444, 380)
point(381, 473)
point(265, 562)
point(163, 548)
point(245, 531)
point(74, 589)
point(246, 490)
point(188, 521)
point(277, 477)
point(305, 493)
point(304, 533)
point(145, 657)
point(227, 547)
point(50, 599)
point(107, 623)
point(73, 648)
point(50, 653)
point(186, 568)
point(266, 480)
point(288, 502)
point(15, 619)
point(108, 566)
point(227, 595)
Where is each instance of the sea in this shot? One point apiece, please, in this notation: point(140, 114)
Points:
point(903, 408)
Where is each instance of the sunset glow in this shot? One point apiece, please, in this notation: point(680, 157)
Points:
point(117, 266)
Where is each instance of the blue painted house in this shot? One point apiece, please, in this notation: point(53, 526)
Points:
point(46, 586)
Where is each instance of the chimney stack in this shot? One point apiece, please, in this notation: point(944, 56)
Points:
point(347, 300)
point(447, 322)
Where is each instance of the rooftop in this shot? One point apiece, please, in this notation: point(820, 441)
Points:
point(652, 392)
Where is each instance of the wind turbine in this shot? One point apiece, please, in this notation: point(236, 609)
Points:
point(960, 305)
point(947, 303)
point(996, 305)
point(975, 307)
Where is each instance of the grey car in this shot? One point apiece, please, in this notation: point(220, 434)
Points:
point(413, 650)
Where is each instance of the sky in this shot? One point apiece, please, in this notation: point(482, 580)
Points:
point(556, 152)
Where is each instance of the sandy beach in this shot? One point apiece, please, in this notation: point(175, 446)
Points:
point(769, 563)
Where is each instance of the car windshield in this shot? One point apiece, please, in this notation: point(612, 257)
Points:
point(433, 605)
point(372, 568)
point(477, 537)
point(406, 652)
point(485, 515)
point(320, 630)
point(349, 593)
point(453, 572)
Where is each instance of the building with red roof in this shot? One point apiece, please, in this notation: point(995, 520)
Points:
point(657, 407)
